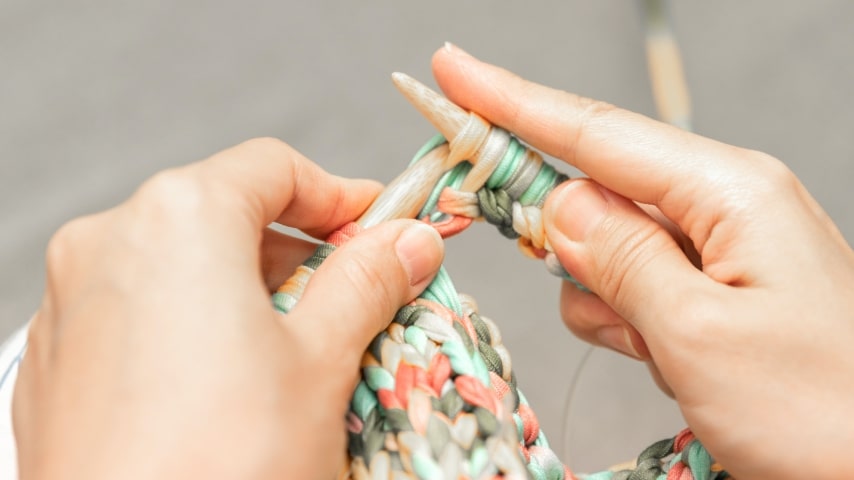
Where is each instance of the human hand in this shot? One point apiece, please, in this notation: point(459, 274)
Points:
point(156, 352)
point(756, 342)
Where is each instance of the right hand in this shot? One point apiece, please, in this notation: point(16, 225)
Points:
point(756, 344)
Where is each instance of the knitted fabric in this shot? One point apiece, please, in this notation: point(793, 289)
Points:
point(438, 398)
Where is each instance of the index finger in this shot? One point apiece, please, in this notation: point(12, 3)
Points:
point(615, 147)
point(271, 182)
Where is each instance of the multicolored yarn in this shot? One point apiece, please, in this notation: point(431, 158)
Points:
point(678, 458)
point(438, 398)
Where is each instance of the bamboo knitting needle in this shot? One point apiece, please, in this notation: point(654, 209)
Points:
point(447, 117)
point(666, 73)
point(406, 194)
point(470, 136)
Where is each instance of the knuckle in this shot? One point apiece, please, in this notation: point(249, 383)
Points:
point(172, 194)
point(697, 320)
point(748, 186)
point(40, 332)
point(576, 314)
point(771, 177)
point(590, 112)
point(779, 175)
point(64, 243)
point(267, 145)
point(524, 94)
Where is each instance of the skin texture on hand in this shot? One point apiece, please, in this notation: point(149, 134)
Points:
point(156, 352)
point(710, 261)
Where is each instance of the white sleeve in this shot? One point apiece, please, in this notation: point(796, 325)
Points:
point(10, 356)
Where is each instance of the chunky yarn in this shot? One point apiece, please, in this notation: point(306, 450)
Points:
point(438, 398)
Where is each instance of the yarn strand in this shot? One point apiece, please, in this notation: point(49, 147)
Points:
point(438, 397)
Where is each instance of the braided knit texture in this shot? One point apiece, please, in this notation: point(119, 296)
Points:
point(438, 398)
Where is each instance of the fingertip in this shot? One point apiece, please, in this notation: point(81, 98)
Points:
point(420, 251)
point(592, 320)
point(584, 312)
point(571, 211)
point(617, 250)
point(575, 209)
point(370, 277)
point(365, 191)
point(346, 200)
point(442, 64)
point(444, 54)
point(369, 186)
point(454, 73)
point(450, 51)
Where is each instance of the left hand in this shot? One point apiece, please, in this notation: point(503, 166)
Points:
point(156, 352)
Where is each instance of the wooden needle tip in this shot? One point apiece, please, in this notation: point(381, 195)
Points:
point(398, 77)
point(447, 117)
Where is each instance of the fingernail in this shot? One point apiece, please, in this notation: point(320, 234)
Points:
point(455, 50)
point(419, 249)
point(577, 209)
point(617, 338)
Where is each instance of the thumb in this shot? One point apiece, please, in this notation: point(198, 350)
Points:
point(355, 293)
point(619, 252)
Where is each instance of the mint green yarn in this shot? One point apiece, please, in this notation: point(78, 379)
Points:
point(415, 336)
point(283, 303)
point(508, 164)
point(550, 469)
point(364, 400)
point(478, 461)
point(541, 440)
point(453, 178)
point(606, 475)
point(461, 362)
point(434, 142)
point(426, 468)
point(541, 186)
point(378, 378)
point(442, 290)
point(698, 460)
point(520, 426)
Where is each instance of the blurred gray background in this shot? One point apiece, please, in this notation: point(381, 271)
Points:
point(95, 96)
